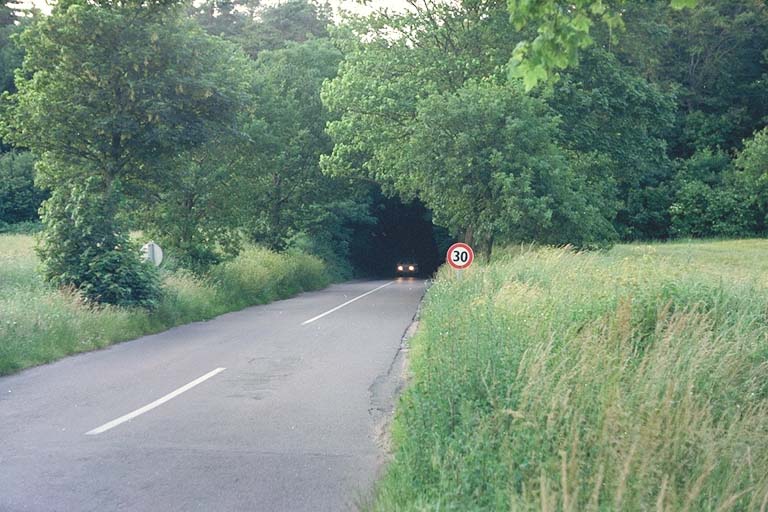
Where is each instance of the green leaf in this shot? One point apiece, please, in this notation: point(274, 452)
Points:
point(683, 4)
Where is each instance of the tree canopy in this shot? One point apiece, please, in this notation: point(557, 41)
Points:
point(107, 93)
point(563, 28)
point(431, 113)
point(215, 124)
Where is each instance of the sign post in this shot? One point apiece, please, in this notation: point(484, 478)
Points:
point(460, 256)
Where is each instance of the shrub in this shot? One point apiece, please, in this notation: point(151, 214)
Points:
point(20, 199)
point(21, 228)
point(85, 248)
point(710, 201)
point(703, 211)
point(39, 324)
point(752, 165)
point(258, 275)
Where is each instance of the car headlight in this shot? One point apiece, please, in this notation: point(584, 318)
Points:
point(411, 268)
point(400, 268)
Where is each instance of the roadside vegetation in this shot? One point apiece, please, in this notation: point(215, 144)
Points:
point(557, 380)
point(39, 324)
point(290, 126)
point(633, 379)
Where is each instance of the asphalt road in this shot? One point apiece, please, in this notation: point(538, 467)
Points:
point(256, 410)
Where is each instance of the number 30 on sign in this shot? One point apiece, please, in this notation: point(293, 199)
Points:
point(460, 256)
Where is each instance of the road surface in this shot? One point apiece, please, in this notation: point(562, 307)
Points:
point(272, 408)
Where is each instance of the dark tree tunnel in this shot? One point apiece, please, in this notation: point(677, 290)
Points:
point(401, 232)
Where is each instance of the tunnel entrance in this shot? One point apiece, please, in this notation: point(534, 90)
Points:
point(402, 232)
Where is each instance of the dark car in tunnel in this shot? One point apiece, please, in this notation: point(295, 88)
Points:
point(406, 267)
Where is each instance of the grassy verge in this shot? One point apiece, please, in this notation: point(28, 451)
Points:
point(549, 380)
point(39, 325)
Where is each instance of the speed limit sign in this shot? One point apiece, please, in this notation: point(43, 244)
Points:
point(460, 256)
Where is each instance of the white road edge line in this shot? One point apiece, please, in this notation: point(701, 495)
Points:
point(156, 403)
point(318, 317)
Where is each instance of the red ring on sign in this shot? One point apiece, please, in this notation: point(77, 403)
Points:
point(460, 265)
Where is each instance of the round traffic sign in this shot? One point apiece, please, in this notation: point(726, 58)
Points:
point(152, 252)
point(460, 256)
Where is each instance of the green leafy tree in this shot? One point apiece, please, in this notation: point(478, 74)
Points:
point(425, 110)
point(288, 190)
point(85, 248)
point(607, 107)
point(391, 62)
point(485, 161)
point(108, 93)
point(11, 55)
point(20, 199)
point(291, 21)
point(286, 201)
point(711, 57)
point(562, 28)
point(196, 212)
point(715, 54)
point(225, 18)
point(709, 200)
point(256, 27)
point(752, 167)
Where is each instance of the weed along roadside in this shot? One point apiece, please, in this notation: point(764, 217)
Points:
point(556, 380)
point(39, 324)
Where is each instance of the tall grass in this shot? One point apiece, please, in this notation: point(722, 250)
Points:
point(551, 380)
point(39, 324)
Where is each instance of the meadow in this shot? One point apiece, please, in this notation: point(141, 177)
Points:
point(634, 379)
point(39, 324)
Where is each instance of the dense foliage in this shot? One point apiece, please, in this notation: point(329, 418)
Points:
point(640, 103)
point(563, 28)
point(215, 126)
point(211, 125)
point(19, 197)
point(752, 175)
point(428, 114)
point(104, 120)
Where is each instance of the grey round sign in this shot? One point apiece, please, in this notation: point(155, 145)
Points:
point(152, 252)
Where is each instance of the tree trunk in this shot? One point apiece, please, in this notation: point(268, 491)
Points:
point(469, 236)
point(489, 249)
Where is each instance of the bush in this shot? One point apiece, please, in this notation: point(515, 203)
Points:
point(752, 166)
point(333, 252)
point(21, 228)
point(257, 276)
point(703, 211)
point(709, 200)
point(20, 199)
point(39, 324)
point(85, 248)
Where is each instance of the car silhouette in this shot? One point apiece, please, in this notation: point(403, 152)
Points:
point(406, 268)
